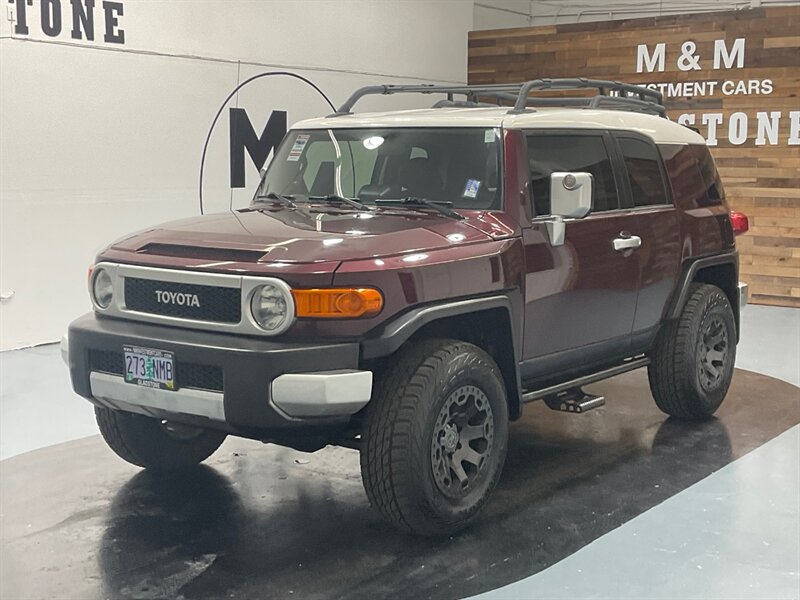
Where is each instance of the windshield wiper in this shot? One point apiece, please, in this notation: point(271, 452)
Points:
point(283, 198)
point(441, 206)
point(337, 199)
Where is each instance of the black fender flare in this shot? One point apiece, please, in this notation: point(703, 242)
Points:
point(389, 337)
point(688, 274)
point(399, 330)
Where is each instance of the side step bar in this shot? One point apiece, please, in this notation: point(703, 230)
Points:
point(574, 401)
point(567, 386)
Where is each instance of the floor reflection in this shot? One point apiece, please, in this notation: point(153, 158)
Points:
point(164, 530)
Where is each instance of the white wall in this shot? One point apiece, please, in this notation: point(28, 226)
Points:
point(503, 14)
point(99, 139)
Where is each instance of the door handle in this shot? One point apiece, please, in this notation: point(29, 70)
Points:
point(627, 242)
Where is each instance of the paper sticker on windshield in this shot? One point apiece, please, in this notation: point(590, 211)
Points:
point(297, 150)
point(488, 136)
point(471, 189)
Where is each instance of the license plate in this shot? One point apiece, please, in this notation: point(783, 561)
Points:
point(149, 368)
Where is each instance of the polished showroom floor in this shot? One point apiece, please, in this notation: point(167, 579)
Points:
point(618, 503)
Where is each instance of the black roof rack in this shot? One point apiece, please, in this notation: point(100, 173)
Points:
point(611, 95)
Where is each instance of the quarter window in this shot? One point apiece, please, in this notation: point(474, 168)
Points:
point(549, 154)
point(644, 172)
point(708, 171)
point(683, 175)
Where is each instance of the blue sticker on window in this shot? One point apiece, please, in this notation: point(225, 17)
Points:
point(471, 189)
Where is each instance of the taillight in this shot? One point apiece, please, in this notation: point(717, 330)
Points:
point(739, 222)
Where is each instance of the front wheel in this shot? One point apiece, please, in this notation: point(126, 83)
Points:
point(154, 443)
point(692, 363)
point(435, 437)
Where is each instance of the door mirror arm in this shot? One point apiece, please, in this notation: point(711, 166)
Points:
point(556, 229)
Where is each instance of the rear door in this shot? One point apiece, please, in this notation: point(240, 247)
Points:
point(658, 227)
point(580, 296)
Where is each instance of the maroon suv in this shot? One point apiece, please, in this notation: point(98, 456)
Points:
point(403, 282)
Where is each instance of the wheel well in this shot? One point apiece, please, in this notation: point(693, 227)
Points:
point(491, 331)
point(724, 277)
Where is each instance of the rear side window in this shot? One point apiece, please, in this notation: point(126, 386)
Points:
point(708, 171)
point(685, 181)
point(549, 154)
point(644, 172)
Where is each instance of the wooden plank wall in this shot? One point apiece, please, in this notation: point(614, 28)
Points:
point(761, 180)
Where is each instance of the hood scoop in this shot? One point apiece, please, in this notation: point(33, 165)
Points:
point(203, 252)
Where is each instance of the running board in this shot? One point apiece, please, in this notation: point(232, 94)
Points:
point(630, 365)
point(574, 401)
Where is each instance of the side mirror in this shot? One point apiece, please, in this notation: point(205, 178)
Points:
point(571, 198)
point(571, 195)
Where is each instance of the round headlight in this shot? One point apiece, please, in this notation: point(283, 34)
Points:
point(103, 288)
point(272, 308)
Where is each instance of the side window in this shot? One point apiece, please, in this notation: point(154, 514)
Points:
point(714, 191)
point(574, 153)
point(644, 172)
point(688, 189)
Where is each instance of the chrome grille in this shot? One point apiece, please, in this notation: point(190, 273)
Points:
point(223, 298)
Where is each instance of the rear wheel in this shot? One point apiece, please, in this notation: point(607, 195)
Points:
point(154, 443)
point(692, 362)
point(435, 437)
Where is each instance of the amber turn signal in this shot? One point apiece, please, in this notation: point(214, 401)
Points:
point(337, 303)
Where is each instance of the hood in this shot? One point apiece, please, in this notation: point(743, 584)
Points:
point(311, 234)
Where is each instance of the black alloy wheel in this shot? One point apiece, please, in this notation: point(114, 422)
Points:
point(462, 440)
point(712, 352)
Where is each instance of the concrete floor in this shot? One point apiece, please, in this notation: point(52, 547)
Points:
point(735, 534)
point(37, 405)
point(724, 531)
point(770, 342)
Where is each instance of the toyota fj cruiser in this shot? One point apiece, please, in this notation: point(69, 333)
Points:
point(403, 282)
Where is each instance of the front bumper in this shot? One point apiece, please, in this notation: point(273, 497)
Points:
point(258, 384)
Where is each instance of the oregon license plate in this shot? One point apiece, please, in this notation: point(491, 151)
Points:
point(149, 368)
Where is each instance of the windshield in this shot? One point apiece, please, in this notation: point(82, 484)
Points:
point(458, 166)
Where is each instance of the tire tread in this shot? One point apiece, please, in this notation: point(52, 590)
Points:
point(393, 454)
point(141, 441)
point(674, 350)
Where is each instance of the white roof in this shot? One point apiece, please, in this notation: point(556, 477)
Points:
point(659, 129)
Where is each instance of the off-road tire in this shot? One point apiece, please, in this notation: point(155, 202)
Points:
point(676, 370)
point(397, 454)
point(145, 442)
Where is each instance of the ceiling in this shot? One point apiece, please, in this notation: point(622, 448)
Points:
point(490, 14)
